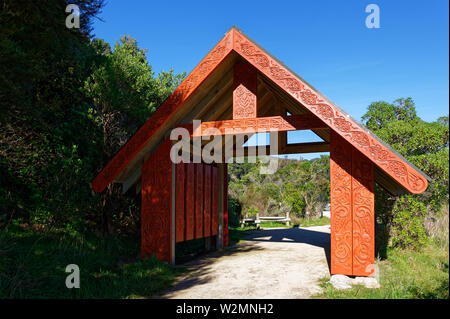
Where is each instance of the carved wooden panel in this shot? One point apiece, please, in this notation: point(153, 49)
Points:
point(199, 191)
point(214, 202)
point(179, 202)
point(363, 202)
point(190, 201)
point(207, 202)
point(341, 205)
point(245, 88)
point(156, 214)
point(330, 114)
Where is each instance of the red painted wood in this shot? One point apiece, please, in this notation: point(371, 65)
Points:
point(156, 228)
point(341, 205)
point(363, 202)
point(225, 205)
point(179, 202)
point(260, 125)
point(214, 202)
point(207, 202)
point(190, 201)
point(245, 89)
point(199, 191)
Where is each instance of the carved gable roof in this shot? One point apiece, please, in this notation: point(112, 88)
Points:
point(393, 171)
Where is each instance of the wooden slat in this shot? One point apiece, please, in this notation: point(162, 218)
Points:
point(190, 200)
point(179, 202)
point(225, 205)
point(207, 202)
point(297, 148)
point(214, 201)
point(199, 190)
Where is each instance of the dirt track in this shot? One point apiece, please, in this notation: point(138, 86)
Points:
point(271, 263)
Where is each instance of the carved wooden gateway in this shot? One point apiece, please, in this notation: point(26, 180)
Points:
point(239, 88)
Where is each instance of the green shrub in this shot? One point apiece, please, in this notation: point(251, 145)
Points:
point(407, 228)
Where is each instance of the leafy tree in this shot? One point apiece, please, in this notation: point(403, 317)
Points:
point(425, 144)
point(124, 91)
point(68, 103)
point(381, 113)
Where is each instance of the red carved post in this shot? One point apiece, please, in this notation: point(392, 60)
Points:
point(156, 219)
point(363, 202)
point(244, 94)
point(352, 210)
point(341, 205)
point(225, 205)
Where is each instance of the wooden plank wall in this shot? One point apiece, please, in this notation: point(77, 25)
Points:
point(156, 225)
point(196, 211)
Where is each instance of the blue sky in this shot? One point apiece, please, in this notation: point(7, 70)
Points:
point(325, 42)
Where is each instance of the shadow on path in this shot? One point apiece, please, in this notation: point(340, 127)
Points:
point(293, 235)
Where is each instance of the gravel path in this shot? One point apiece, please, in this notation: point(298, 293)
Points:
point(270, 263)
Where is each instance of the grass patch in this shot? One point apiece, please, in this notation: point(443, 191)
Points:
point(32, 265)
point(272, 224)
point(405, 274)
point(307, 222)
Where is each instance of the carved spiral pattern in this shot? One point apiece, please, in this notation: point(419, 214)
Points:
point(341, 207)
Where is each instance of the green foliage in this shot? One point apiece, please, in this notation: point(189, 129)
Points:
point(68, 104)
point(407, 227)
point(405, 274)
point(379, 114)
point(425, 144)
point(298, 187)
point(124, 91)
point(251, 211)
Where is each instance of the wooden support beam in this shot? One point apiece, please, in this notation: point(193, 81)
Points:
point(260, 125)
point(311, 147)
point(282, 136)
point(297, 148)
